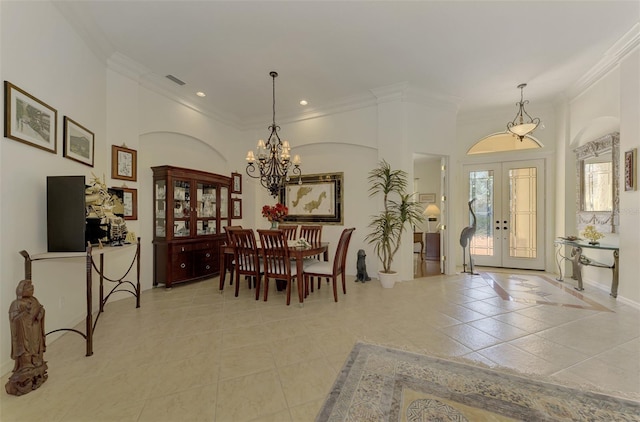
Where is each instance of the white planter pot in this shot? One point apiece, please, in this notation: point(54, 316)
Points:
point(387, 279)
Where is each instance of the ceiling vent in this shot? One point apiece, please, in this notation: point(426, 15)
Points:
point(174, 79)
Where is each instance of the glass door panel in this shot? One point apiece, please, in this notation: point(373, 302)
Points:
point(206, 209)
point(181, 208)
point(160, 208)
point(509, 205)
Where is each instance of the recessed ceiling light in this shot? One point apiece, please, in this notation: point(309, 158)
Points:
point(201, 94)
point(303, 102)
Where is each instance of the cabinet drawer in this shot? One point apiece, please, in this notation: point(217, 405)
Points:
point(204, 255)
point(202, 246)
point(176, 249)
point(181, 266)
point(205, 267)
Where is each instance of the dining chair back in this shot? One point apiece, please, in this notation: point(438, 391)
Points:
point(290, 231)
point(245, 255)
point(226, 260)
point(278, 264)
point(332, 269)
point(311, 233)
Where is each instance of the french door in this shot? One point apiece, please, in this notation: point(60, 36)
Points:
point(509, 210)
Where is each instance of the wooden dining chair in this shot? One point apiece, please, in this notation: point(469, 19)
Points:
point(290, 231)
point(278, 265)
point(313, 235)
point(226, 260)
point(247, 261)
point(332, 269)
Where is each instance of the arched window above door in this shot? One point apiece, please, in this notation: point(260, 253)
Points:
point(503, 141)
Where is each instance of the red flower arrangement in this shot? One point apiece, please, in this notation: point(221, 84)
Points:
point(275, 212)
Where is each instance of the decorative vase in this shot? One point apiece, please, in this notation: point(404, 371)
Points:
point(274, 224)
point(387, 279)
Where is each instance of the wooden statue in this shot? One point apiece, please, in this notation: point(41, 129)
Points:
point(465, 240)
point(26, 317)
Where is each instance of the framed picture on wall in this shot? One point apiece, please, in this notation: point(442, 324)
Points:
point(130, 202)
point(427, 198)
point(630, 170)
point(124, 163)
point(236, 208)
point(236, 183)
point(29, 120)
point(314, 198)
point(79, 142)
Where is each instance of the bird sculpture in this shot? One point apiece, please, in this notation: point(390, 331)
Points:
point(465, 239)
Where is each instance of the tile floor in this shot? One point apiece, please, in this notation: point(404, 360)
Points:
point(193, 354)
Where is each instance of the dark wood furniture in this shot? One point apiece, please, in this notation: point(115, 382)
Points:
point(190, 209)
point(417, 238)
point(119, 284)
point(278, 264)
point(432, 247)
point(298, 253)
point(332, 269)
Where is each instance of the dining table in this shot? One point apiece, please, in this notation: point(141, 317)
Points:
point(296, 251)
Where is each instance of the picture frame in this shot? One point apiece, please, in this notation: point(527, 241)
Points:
point(124, 163)
point(236, 208)
point(130, 202)
point(79, 142)
point(236, 183)
point(630, 170)
point(314, 198)
point(29, 120)
point(427, 198)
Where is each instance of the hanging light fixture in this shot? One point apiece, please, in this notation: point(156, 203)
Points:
point(519, 127)
point(274, 156)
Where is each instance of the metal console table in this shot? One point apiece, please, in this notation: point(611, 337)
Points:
point(578, 260)
point(121, 285)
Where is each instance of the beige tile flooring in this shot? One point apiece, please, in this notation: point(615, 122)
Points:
point(193, 354)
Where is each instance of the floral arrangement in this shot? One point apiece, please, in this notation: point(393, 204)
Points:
point(592, 234)
point(275, 212)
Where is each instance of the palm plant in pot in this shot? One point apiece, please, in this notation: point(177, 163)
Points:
point(399, 211)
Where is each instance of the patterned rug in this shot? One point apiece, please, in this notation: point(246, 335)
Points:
point(383, 384)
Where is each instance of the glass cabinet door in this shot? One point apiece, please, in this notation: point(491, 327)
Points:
point(206, 209)
point(161, 208)
point(224, 204)
point(181, 208)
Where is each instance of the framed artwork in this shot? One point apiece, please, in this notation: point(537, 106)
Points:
point(29, 120)
point(314, 198)
point(427, 198)
point(236, 183)
point(124, 163)
point(630, 170)
point(236, 208)
point(79, 142)
point(130, 202)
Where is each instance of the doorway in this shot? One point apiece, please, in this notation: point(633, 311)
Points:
point(509, 213)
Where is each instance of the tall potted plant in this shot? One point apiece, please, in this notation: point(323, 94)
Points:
point(399, 210)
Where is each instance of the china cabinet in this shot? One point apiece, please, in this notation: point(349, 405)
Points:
point(190, 209)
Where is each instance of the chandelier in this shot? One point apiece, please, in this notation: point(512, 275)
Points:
point(519, 127)
point(274, 156)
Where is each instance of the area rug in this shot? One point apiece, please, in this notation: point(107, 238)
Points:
point(383, 384)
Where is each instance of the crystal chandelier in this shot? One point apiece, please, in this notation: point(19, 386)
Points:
point(519, 127)
point(274, 156)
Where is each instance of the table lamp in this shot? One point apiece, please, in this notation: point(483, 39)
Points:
point(432, 212)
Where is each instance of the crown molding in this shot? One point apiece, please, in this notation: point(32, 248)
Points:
point(611, 59)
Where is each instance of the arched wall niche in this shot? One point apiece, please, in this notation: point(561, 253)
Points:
point(595, 129)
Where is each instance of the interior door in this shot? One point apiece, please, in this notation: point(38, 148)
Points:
point(509, 213)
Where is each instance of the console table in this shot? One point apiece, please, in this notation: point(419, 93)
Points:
point(121, 285)
point(578, 260)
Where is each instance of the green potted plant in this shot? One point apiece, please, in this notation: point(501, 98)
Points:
point(399, 211)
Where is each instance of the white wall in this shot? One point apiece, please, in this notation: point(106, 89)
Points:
point(48, 60)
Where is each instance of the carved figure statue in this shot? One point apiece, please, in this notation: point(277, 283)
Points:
point(26, 317)
point(361, 267)
point(465, 239)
